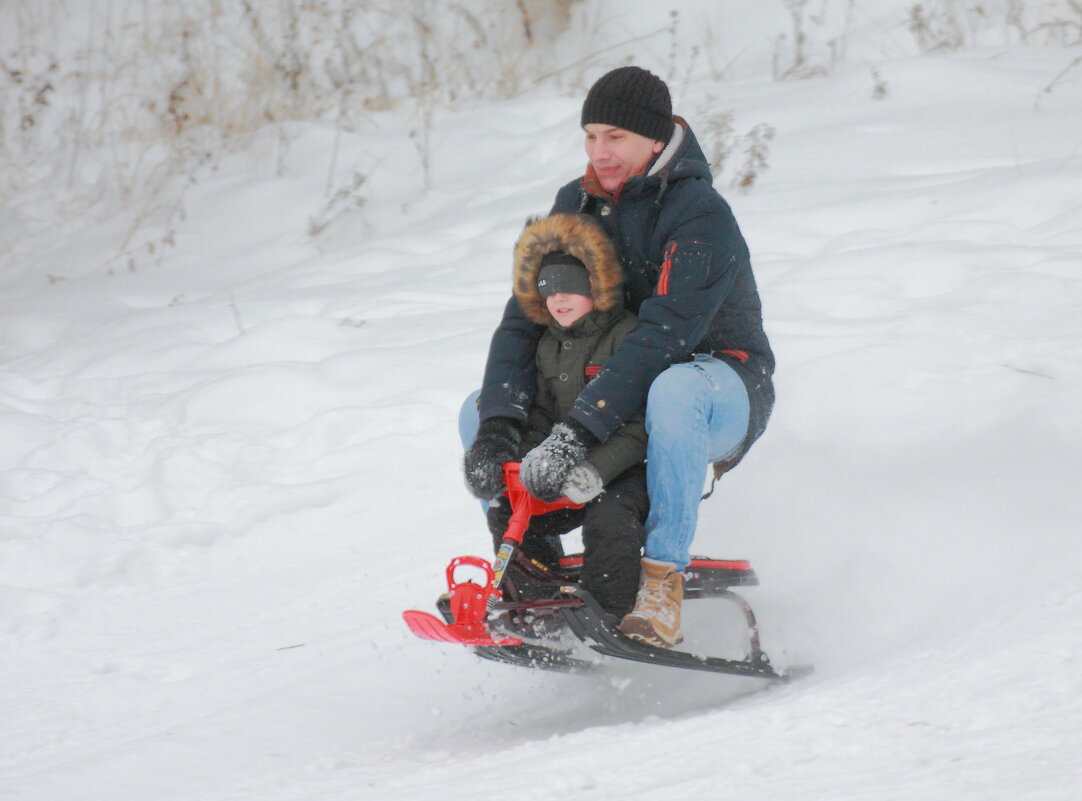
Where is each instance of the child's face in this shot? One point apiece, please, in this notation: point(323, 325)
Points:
point(567, 307)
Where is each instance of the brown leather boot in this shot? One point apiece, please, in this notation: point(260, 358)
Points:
point(655, 620)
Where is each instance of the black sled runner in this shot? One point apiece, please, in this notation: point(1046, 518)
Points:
point(528, 614)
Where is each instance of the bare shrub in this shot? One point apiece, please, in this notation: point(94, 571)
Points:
point(936, 28)
point(1063, 27)
point(945, 25)
point(800, 54)
point(879, 86)
point(717, 137)
point(133, 101)
point(756, 151)
point(344, 199)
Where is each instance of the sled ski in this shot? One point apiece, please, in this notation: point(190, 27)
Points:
point(532, 615)
point(589, 623)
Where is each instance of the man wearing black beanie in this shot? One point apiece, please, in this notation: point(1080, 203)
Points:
point(700, 360)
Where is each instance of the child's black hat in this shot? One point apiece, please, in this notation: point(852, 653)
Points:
point(562, 272)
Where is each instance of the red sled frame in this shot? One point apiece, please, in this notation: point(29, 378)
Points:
point(470, 603)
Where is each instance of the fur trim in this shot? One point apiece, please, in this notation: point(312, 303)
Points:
point(582, 237)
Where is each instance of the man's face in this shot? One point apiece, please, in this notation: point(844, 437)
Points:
point(617, 154)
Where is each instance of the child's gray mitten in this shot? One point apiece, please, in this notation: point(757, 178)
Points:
point(545, 469)
point(583, 483)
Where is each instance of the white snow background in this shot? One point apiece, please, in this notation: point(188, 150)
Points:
point(225, 472)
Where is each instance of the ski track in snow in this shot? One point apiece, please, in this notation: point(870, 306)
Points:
point(225, 476)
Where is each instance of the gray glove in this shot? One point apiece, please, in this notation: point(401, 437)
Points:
point(583, 483)
point(545, 469)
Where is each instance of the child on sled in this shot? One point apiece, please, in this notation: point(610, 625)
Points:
point(567, 278)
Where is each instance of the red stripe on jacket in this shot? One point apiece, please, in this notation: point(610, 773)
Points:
point(666, 268)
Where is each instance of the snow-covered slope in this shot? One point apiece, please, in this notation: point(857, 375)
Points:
point(224, 475)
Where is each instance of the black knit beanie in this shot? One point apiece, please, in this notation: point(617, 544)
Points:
point(633, 99)
point(562, 272)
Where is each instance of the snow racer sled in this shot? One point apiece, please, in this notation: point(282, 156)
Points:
point(529, 614)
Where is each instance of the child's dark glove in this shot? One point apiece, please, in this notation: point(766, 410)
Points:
point(496, 442)
point(545, 469)
point(583, 483)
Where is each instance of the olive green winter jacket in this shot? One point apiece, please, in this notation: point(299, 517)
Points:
point(567, 359)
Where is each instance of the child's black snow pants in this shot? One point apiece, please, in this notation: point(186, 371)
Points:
point(612, 538)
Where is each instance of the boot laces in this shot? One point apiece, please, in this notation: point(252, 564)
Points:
point(652, 592)
point(653, 600)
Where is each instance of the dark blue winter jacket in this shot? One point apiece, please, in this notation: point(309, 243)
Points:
point(688, 277)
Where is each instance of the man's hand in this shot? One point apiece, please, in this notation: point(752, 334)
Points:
point(545, 469)
point(496, 442)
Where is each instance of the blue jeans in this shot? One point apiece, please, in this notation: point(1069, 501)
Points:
point(696, 413)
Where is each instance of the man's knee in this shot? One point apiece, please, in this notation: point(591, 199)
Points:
point(673, 397)
point(676, 384)
point(706, 396)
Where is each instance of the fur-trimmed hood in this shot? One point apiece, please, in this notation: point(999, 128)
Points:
point(582, 237)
